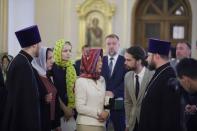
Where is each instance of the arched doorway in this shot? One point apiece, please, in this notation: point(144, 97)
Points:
point(162, 19)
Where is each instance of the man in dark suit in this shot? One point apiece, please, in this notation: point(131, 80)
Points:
point(160, 110)
point(187, 74)
point(183, 50)
point(113, 71)
point(78, 62)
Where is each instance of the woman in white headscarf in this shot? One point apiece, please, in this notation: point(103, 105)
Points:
point(50, 104)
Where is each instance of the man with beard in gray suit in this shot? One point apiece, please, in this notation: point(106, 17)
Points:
point(136, 81)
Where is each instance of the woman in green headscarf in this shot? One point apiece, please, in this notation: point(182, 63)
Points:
point(64, 76)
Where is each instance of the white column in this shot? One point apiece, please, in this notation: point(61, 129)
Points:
point(3, 25)
point(21, 15)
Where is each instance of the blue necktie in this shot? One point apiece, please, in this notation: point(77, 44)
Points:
point(137, 86)
point(111, 66)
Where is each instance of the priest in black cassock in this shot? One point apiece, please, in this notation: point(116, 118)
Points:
point(22, 111)
point(160, 110)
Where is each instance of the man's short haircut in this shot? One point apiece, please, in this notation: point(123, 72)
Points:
point(186, 43)
point(187, 67)
point(112, 36)
point(85, 46)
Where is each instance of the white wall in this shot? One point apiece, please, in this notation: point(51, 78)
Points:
point(58, 19)
point(49, 20)
point(121, 21)
point(20, 15)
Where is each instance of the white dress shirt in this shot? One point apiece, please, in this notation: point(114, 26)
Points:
point(89, 100)
point(140, 76)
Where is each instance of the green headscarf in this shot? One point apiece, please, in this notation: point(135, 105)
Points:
point(71, 76)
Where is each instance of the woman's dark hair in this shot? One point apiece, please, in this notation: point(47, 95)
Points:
point(137, 53)
point(48, 49)
point(49, 72)
point(5, 57)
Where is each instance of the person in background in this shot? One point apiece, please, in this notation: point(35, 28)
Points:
point(64, 76)
point(90, 93)
point(187, 75)
point(22, 110)
point(49, 64)
point(50, 103)
point(183, 50)
point(78, 62)
point(5, 62)
point(113, 70)
point(136, 81)
point(160, 109)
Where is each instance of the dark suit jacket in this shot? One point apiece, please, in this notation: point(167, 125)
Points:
point(115, 83)
point(160, 110)
point(3, 94)
point(59, 75)
point(77, 66)
point(1, 79)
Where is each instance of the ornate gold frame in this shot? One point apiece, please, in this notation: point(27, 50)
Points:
point(100, 9)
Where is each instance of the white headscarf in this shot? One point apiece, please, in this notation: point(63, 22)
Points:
point(39, 63)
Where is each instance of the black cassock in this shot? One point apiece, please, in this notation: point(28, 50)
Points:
point(160, 110)
point(3, 93)
point(22, 111)
point(1, 79)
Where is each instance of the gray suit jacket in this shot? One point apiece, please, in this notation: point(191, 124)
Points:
point(133, 105)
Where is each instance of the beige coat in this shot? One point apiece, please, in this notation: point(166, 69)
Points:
point(133, 106)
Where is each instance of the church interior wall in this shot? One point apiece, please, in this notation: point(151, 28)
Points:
point(59, 19)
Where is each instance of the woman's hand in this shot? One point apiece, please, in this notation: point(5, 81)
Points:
point(68, 113)
point(103, 116)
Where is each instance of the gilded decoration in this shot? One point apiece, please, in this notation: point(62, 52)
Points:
point(95, 22)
